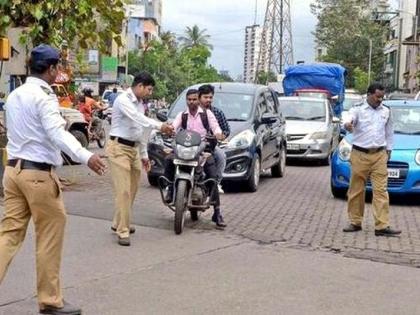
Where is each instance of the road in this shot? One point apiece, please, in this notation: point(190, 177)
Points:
point(297, 210)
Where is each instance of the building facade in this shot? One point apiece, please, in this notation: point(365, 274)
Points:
point(253, 34)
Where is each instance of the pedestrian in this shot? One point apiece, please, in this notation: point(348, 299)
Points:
point(127, 149)
point(36, 135)
point(112, 97)
point(371, 125)
point(206, 94)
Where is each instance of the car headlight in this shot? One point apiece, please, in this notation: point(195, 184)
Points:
point(318, 135)
point(186, 153)
point(242, 140)
point(344, 150)
point(417, 158)
point(156, 138)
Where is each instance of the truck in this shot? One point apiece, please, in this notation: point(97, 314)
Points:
point(324, 80)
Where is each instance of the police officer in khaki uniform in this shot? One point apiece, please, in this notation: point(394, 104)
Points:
point(127, 149)
point(36, 135)
point(371, 125)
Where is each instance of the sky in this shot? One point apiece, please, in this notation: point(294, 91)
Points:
point(225, 21)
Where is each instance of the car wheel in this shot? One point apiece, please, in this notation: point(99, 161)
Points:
point(254, 177)
point(339, 193)
point(279, 169)
point(153, 180)
point(81, 137)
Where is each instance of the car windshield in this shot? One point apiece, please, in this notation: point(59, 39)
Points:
point(349, 102)
point(406, 119)
point(236, 107)
point(303, 109)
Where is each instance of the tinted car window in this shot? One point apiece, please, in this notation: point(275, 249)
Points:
point(271, 105)
point(303, 109)
point(234, 106)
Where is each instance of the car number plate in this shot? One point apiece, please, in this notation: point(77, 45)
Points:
point(293, 146)
point(393, 173)
point(188, 163)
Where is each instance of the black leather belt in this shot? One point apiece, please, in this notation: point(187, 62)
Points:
point(30, 165)
point(124, 141)
point(369, 151)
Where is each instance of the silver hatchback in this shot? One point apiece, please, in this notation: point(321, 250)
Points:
point(312, 130)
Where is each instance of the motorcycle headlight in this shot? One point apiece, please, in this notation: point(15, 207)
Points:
point(344, 150)
point(319, 135)
point(156, 138)
point(242, 140)
point(417, 158)
point(186, 153)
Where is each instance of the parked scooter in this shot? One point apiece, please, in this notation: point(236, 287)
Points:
point(191, 189)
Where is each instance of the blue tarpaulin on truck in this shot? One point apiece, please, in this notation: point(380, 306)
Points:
point(327, 76)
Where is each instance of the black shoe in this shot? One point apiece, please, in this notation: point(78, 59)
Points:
point(352, 228)
point(124, 241)
point(387, 232)
point(132, 229)
point(67, 309)
point(218, 219)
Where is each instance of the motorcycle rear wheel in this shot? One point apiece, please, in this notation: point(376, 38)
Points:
point(102, 138)
point(181, 200)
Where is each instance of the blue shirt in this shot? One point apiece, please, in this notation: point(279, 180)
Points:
point(111, 98)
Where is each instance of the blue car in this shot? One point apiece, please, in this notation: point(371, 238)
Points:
point(404, 165)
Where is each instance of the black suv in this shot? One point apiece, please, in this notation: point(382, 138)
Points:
point(257, 141)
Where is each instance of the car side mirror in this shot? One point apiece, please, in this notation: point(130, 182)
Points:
point(268, 118)
point(336, 120)
point(162, 116)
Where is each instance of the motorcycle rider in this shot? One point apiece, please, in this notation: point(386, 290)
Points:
point(203, 122)
point(205, 94)
point(90, 104)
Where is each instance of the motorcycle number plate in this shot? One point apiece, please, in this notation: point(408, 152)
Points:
point(189, 163)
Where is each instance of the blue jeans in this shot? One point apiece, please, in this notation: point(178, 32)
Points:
point(220, 159)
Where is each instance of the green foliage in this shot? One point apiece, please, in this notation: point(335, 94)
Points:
point(344, 28)
point(361, 80)
point(89, 23)
point(174, 66)
point(195, 37)
point(265, 77)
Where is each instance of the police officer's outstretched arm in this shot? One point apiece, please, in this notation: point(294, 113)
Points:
point(129, 110)
point(54, 124)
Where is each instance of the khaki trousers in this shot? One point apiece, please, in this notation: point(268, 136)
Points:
point(125, 165)
point(373, 165)
point(36, 194)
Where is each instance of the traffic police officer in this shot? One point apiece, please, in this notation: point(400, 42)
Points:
point(36, 135)
point(371, 124)
point(127, 150)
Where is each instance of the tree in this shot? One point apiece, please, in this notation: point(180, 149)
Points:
point(89, 23)
point(361, 80)
point(265, 77)
point(173, 66)
point(195, 37)
point(344, 29)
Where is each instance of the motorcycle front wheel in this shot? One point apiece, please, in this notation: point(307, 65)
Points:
point(181, 200)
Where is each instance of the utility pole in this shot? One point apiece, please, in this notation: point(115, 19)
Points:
point(276, 48)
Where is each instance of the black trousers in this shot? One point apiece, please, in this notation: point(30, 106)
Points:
point(209, 169)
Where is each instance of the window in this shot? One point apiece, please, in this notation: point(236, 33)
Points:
point(271, 105)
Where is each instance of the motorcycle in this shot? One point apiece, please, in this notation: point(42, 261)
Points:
point(191, 189)
point(97, 133)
